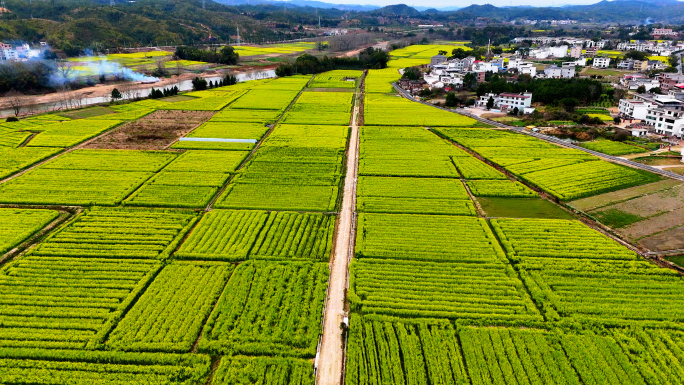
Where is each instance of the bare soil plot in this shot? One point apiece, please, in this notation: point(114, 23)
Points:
point(672, 239)
point(645, 219)
point(655, 225)
point(155, 131)
point(652, 204)
point(591, 203)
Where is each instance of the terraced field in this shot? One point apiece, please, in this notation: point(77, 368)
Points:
point(208, 261)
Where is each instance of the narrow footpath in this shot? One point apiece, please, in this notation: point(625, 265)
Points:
point(330, 360)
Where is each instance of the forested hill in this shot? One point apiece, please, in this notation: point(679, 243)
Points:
point(72, 25)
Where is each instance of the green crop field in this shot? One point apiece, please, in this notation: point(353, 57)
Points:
point(336, 79)
point(220, 237)
point(613, 148)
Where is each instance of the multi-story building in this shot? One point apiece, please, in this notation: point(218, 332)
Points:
point(648, 84)
point(481, 66)
point(601, 62)
point(591, 51)
point(669, 80)
point(438, 59)
point(660, 32)
point(527, 69)
point(631, 64)
point(666, 121)
point(664, 114)
point(507, 101)
point(576, 52)
point(565, 72)
point(634, 109)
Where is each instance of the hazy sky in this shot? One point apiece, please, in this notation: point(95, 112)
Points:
point(452, 3)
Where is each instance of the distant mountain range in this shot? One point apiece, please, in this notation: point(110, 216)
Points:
point(635, 11)
point(302, 3)
point(640, 9)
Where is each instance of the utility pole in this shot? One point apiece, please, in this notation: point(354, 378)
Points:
point(238, 35)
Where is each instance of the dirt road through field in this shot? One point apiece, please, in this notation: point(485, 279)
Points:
point(330, 359)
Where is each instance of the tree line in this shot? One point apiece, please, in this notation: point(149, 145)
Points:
point(306, 64)
point(225, 55)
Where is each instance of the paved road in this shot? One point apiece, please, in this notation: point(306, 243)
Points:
point(331, 355)
point(551, 139)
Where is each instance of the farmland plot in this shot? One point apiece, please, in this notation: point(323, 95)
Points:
point(49, 366)
point(263, 370)
point(425, 238)
point(557, 239)
point(111, 160)
point(328, 108)
point(379, 81)
point(613, 148)
point(70, 133)
point(71, 187)
point(208, 161)
point(407, 352)
point(170, 314)
point(229, 130)
point(388, 110)
point(564, 173)
point(534, 357)
point(406, 151)
point(12, 138)
point(16, 225)
point(413, 195)
point(223, 235)
point(67, 303)
point(500, 188)
point(16, 159)
point(85, 177)
point(336, 79)
point(295, 236)
point(291, 171)
point(472, 168)
point(618, 293)
point(258, 99)
point(269, 309)
point(211, 100)
point(487, 290)
point(255, 116)
point(120, 233)
point(588, 178)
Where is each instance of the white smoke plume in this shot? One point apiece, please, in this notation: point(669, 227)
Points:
point(98, 66)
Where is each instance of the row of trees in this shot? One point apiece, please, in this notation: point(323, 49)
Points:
point(25, 76)
point(306, 64)
point(225, 55)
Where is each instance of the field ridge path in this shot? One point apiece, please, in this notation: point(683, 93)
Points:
point(330, 360)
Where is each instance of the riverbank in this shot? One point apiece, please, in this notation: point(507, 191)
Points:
point(57, 101)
